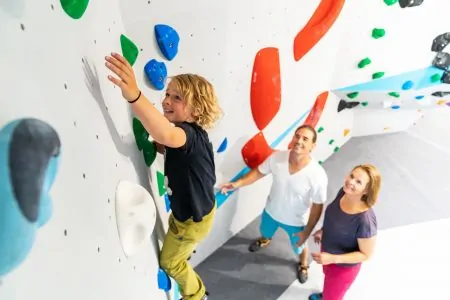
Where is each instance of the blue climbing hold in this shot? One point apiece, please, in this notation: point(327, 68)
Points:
point(29, 159)
point(407, 85)
point(395, 106)
point(223, 146)
point(419, 97)
point(168, 40)
point(167, 202)
point(156, 73)
point(164, 282)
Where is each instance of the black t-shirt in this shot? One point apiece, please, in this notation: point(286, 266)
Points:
point(190, 175)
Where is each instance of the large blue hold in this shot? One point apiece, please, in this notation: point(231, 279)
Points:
point(29, 156)
point(156, 73)
point(168, 40)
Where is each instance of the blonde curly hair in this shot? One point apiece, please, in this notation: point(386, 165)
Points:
point(199, 94)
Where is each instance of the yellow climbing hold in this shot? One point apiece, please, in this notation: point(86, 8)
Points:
point(346, 131)
point(441, 102)
point(386, 128)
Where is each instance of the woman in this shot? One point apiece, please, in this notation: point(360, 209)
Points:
point(348, 233)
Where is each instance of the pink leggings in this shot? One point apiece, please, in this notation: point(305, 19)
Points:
point(338, 280)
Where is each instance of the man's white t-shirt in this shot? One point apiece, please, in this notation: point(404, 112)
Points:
point(291, 196)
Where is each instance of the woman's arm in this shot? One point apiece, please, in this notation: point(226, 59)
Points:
point(366, 247)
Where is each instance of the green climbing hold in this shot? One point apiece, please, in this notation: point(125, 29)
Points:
point(320, 162)
point(364, 103)
point(74, 8)
point(378, 33)
point(390, 2)
point(331, 142)
point(129, 50)
point(435, 78)
point(161, 185)
point(320, 129)
point(353, 95)
point(377, 75)
point(149, 151)
point(140, 134)
point(364, 62)
point(336, 149)
point(394, 94)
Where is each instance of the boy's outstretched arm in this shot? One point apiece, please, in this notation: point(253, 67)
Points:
point(154, 122)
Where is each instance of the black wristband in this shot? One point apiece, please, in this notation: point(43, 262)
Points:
point(137, 98)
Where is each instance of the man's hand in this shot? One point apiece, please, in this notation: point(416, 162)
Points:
point(227, 187)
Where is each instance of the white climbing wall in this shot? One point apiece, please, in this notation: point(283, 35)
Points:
point(78, 254)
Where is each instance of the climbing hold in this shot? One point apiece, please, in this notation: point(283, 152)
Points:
point(336, 149)
point(168, 40)
point(441, 102)
point(265, 89)
point(377, 75)
point(353, 95)
point(156, 73)
point(320, 129)
point(435, 78)
point(385, 128)
point(378, 33)
point(256, 151)
point(149, 151)
point(441, 60)
point(164, 282)
point(74, 8)
point(364, 104)
point(440, 42)
point(135, 215)
point(409, 3)
point(364, 62)
point(440, 94)
point(394, 94)
point(161, 183)
point(223, 146)
point(346, 105)
point(140, 134)
point(330, 142)
point(129, 50)
point(445, 77)
point(167, 202)
point(316, 111)
point(448, 103)
point(407, 85)
point(346, 132)
point(30, 150)
point(320, 162)
point(395, 106)
point(390, 2)
point(419, 97)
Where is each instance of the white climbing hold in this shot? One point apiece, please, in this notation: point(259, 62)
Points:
point(135, 215)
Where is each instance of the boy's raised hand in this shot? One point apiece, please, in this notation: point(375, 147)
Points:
point(127, 81)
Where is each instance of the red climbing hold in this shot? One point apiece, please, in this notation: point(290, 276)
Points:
point(256, 150)
point(321, 21)
point(265, 90)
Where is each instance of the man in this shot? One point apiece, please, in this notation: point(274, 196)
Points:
point(297, 195)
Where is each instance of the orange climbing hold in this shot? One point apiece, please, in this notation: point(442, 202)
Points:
point(346, 132)
point(265, 90)
point(256, 150)
point(321, 21)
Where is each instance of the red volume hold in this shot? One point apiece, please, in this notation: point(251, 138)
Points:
point(256, 151)
point(265, 90)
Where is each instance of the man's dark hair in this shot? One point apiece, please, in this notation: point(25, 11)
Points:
point(310, 128)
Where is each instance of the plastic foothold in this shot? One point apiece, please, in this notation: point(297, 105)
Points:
point(440, 42)
point(377, 75)
point(167, 202)
point(378, 33)
point(394, 94)
point(330, 142)
point(160, 178)
point(168, 40)
point(390, 2)
point(445, 77)
point(385, 128)
point(129, 50)
point(223, 146)
point(336, 149)
point(364, 62)
point(441, 102)
point(346, 105)
point(156, 73)
point(448, 103)
point(30, 150)
point(164, 282)
point(419, 97)
point(140, 134)
point(435, 78)
point(320, 162)
point(440, 94)
point(407, 85)
point(320, 129)
point(149, 152)
point(74, 8)
point(364, 104)
point(346, 132)
point(441, 60)
point(256, 151)
point(353, 95)
point(409, 3)
point(395, 106)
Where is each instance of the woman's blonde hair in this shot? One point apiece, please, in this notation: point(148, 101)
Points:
point(373, 186)
point(199, 94)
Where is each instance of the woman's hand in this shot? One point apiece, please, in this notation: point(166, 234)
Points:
point(323, 258)
point(318, 236)
point(127, 81)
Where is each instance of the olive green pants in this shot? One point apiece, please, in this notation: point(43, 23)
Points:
point(178, 246)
